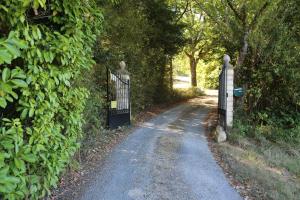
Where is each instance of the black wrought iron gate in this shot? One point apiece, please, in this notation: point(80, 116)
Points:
point(118, 97)
point(222, 97)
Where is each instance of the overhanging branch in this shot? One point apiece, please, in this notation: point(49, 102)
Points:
point(184, 11)
point(236, 13)
point(213, 18)
point(258, 15)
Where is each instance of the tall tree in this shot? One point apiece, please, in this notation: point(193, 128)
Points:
point(199, 39)
point(236, 18)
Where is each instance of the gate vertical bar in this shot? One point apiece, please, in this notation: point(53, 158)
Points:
point(107, 96)
point(129, 100)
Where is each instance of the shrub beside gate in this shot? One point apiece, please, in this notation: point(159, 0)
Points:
point(44, 47)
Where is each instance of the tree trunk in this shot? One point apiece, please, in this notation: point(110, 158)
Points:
point(240, 62)
point(193, 68)
point(171, 73)
point(243, 51)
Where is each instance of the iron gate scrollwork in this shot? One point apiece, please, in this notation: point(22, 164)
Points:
point(222, 101)
point(118, 97)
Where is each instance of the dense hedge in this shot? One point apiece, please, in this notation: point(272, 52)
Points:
point(44, 47)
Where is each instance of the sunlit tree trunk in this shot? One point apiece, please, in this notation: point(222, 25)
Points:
point(171, 73)
point(193, 68)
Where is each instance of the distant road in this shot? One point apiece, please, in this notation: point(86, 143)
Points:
point(182, 82)
point(211, 92)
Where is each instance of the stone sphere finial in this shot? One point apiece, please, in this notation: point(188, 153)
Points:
point(122, 65)
point(226, 59)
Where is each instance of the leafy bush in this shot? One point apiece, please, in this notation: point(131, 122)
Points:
point(44, 47)
point(263, 126)
point(209, 74)
point(270, 73)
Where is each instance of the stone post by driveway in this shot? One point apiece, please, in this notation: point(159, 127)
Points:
point(229, 90)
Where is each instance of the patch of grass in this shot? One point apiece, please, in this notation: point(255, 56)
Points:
point(271, 170)
point(183, 94)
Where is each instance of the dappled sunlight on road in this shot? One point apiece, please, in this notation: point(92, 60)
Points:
point(167, 158)
point(206, 101)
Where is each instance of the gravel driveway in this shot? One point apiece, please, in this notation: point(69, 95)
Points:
point(166, 158)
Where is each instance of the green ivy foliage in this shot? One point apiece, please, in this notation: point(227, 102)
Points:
point(44, 46)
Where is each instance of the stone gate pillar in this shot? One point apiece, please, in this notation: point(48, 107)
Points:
point(229, 91)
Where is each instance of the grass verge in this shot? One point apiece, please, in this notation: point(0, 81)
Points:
point(258, 168)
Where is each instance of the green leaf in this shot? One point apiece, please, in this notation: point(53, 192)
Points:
point(6, 120)
point(34, 34)
point(6, 87)
point(39, 33)
point(9, 179)
point(7, 188)
point(4, 171)
point(13, 50)
point(3, 102)
point(2, 157)
point(7, 144)
point(26, 3)
point(40, 147)
point(22, 44)
point(19, 83)
point(4, 8)
point(5, 57)
point(24, 113)
point(39, 53)
point(31, 112)
point(12, 34)
point(17, 42)
point(17, 73)
point(42, 3)
point(15, 95)
point(20, 164)
point(5, 74)
point(22, 18)
point(8, 98)
point(31, 158)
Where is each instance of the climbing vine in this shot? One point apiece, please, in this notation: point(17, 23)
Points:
point(45, 45)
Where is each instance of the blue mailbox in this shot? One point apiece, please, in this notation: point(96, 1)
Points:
point(238, 92)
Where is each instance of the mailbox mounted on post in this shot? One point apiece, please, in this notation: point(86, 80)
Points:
point(238, 92)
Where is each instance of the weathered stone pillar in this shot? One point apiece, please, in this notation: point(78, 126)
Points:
point(225, 100)
point(229, 90)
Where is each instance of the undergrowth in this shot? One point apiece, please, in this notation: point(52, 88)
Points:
point(266, 157)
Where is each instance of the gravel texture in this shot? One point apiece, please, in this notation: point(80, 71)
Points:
point(167, 158)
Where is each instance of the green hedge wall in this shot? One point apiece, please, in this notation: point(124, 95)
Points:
point(45, 45)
